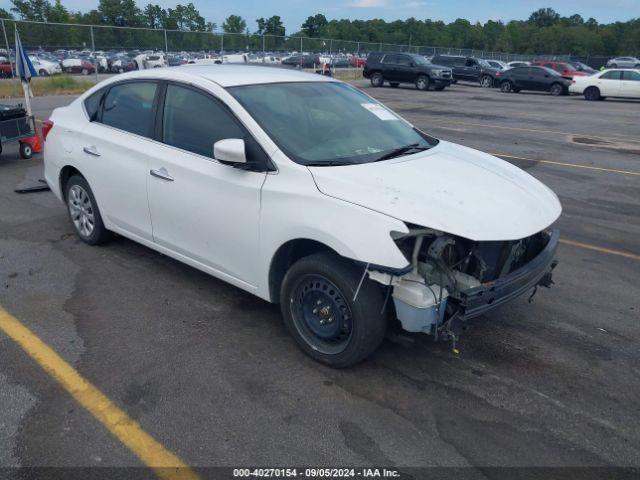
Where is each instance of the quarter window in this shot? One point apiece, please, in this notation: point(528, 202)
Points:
point(391, 59)
point(631, 75)
point(92, 103)
point(193, 121)
point(129, 107)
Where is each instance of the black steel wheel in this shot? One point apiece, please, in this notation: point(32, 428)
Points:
point(319, 310)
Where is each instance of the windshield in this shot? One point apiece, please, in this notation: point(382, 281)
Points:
point(329, 123)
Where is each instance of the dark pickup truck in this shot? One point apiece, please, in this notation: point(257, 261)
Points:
point(397, 68)
point(468, 69)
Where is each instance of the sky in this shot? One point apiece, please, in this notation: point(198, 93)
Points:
point(294, 12)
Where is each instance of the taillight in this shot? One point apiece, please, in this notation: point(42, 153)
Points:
point(47, 125)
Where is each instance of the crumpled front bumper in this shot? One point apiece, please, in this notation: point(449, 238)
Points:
point(479, 300)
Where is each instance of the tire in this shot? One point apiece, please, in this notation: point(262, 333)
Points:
point(85, 71)
point(313, 289)
point(423, 82)
point(43, 73)
point(556, 90)
point(486, 81)
point(394, 84)
point(506, 87)
point(614, 65)
point(377, 80)
point(83, 209)
point(592, 94)
point(26, 151)
point(121, 70)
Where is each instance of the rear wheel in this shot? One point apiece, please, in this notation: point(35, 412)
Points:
point(592, 93)
point(85, 71)
point(556, 89)
point(614, 65)
point(506, 87)
point(43, 73)
point(319, 311)
point(377, 80)
point(84, 213)
point(486, 81)
point(422, 82)
point(394, 84)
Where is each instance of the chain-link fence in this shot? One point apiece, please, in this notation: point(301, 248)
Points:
point(53, 36)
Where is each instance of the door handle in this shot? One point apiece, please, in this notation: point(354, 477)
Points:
point(91, 150)
point(161, 173)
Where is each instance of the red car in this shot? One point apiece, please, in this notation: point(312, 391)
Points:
point(78, 65)
point(563, 68)
point(5, 70)
point(358, 62)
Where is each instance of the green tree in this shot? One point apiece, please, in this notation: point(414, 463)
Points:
point(234, 24)
point(314, 25)
point(544, 17)
point(35, 10)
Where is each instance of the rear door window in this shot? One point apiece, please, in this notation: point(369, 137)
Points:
point(130, 107)
point(390, 59)
point(631, 75)
point(404, 60)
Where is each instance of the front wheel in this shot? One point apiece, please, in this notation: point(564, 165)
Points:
point(422, 83)
point(85, 71)
point(556, 89)
point(377, 80)
point(486, 81)
point(592, 94)
point(317, 302)
point(43, 73)
point(84, 213)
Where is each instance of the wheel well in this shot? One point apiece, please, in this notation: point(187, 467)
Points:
point(65, 174)
point(287, 255)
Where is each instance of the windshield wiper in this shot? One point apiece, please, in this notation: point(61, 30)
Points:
point(396, 152)
point(330, 163)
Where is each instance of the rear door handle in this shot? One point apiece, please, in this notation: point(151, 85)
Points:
point(161, 173)
point(91, 150)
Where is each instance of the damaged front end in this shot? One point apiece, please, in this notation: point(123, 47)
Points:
point(453, 279)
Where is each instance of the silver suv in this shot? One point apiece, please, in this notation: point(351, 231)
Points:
point(624, 62)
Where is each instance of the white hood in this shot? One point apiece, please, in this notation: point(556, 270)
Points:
point(449, 188)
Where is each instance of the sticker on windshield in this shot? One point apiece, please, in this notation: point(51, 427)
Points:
point(379, 111)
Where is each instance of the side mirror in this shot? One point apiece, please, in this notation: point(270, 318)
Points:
point(230, 150)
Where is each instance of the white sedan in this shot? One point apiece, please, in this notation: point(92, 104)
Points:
point(608, 83)
point(306, 192)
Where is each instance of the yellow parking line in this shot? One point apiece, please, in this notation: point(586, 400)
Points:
point(595, 248)
point(573, 165)
point(165, 464)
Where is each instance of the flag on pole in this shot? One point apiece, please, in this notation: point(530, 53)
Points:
point(25, 71)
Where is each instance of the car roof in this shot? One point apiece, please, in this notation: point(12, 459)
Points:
point(229, 75)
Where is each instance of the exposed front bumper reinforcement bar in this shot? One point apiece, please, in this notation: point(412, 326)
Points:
point(478, 300)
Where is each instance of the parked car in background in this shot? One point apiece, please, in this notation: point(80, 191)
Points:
point(535, 78)
point(45, 67)
point(368, 219)
point(563, 68)
point(519, 63)
point(499, 64)
point(121, 64)
point(582, 67)
point(623, 62)
point(358, 62)
point(302, 61)
point(78, 65)
point(397, 68)
point(6, 69)
point(609, 83)
point(469, 69)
